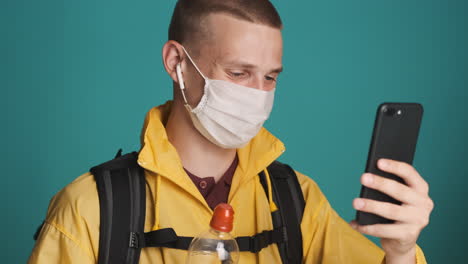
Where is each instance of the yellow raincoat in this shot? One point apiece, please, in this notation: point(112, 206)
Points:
point(71, 230)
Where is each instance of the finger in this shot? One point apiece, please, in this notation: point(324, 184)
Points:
point(384, 209)
point(392, 188)
point(406, 172)
point(402, 232)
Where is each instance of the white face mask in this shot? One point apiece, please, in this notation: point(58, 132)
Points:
point(229, 115)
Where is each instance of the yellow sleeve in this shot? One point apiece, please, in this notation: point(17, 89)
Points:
point(55, 245)
point(328, 239)
point(71, 230)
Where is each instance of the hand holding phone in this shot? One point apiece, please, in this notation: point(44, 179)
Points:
point(397, 221)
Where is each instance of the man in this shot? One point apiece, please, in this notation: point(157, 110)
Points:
point(208, 145)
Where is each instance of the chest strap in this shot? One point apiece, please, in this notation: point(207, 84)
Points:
point(168, 238)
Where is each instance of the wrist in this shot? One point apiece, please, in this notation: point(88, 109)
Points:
point(407, 258)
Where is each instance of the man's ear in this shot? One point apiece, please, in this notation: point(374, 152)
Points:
point(172, 55)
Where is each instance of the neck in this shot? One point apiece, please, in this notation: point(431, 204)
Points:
point(198, 154)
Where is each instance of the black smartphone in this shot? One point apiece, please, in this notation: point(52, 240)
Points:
point(395, 135)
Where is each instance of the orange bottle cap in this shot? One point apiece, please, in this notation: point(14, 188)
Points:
point(223, 217)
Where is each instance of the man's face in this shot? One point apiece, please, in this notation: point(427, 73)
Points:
point(238, 51)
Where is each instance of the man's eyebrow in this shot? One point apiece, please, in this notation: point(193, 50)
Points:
point(248, 65)
point(242, 64)
point(277, 70)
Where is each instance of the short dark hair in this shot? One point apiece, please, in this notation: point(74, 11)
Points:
point(188, 15)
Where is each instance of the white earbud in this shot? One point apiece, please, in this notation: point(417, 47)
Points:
point(179, 76)
point(181, 83)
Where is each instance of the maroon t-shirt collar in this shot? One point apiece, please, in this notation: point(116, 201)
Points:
point(215, 193)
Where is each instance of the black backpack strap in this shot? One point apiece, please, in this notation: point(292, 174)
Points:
point(261, 240)
point(168, 238)
point(288, 196)
point(122, 199)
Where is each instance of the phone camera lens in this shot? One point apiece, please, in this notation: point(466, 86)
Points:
point(399, 112)
point(389, 111)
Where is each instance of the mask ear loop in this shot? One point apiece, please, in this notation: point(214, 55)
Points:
point(203, 101)
point(193, 63)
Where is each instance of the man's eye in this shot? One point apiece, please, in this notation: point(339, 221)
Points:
point(237, 74)
point(269, 78)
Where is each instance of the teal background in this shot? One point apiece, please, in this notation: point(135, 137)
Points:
point(77, 78)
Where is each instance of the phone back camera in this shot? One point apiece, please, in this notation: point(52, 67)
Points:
point(389, 111)
point(393, 112)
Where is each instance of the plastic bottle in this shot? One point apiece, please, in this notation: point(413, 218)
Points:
point(216, 245)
